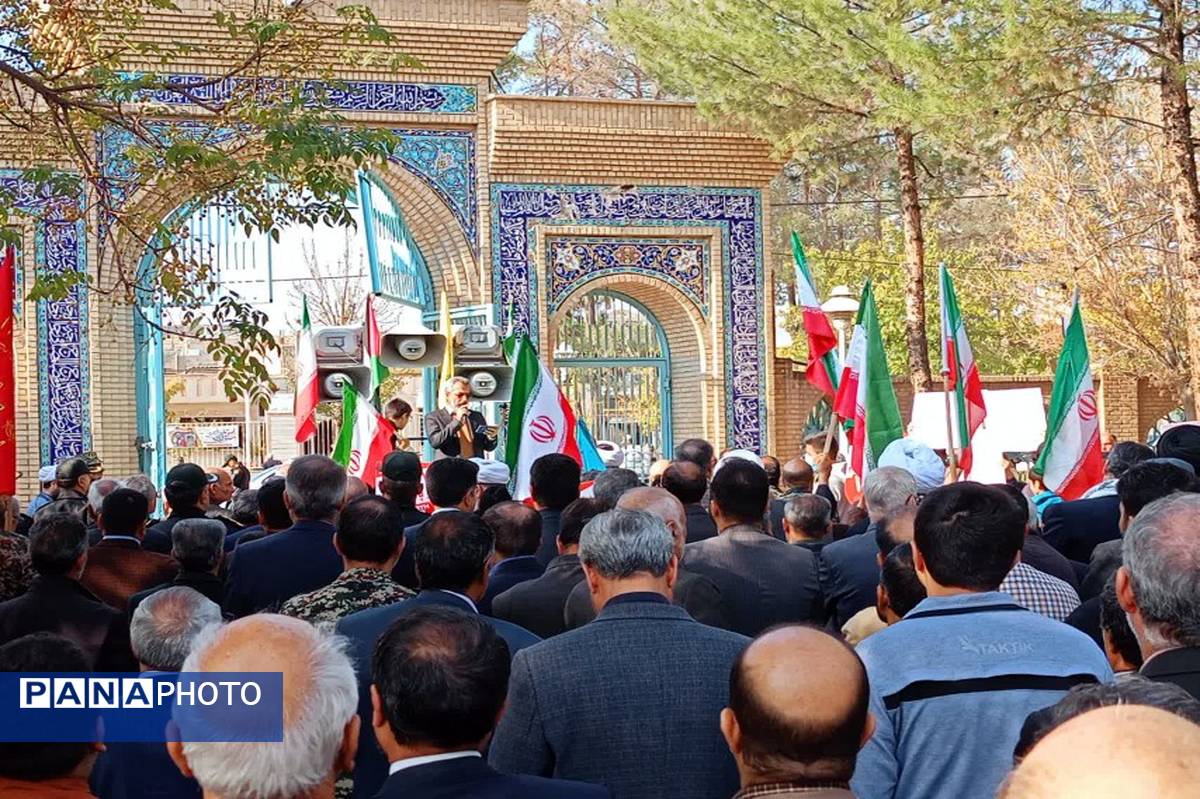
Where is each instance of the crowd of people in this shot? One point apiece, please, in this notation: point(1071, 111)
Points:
point(732, 626)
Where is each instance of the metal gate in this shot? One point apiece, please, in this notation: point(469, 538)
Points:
point(612, 362)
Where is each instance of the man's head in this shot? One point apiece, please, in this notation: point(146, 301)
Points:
point(517, 529)
point(370, 533)
point(97, 491)
point(967, 538)
point(1181, 441)
point(400, 479)
point(1124, 455)
point(453, 483)
point(123, 512)
point(895, 530)
point(398, 412)
point(1144, 482)
point(187, 487)
point(221, 489)
point(659, 502)
point(1126, 750)
point(144, 486)
point(699, 452)
point(1120, 644)
point(554, 481)
point(739, 494)
point(58, 545)
point(655, 476)
point(273, 512)
point(770, 465)
point(796, 476)
point(807, 517)
point(784, 729)
point(74, 474)
point(624, 551)
point(452, 552)
point(610, 484)
point(888, 489)
point(456, 392)
point(47, 480)
point(44, 652)
point(356, 487)
point(320, 700)
point(315, 489)
point(686, 481)
point(167, 623)
point(244, 507)
point(1159, 583)
point(198, 544)
point(900, 589)
point(440, 681)
point(572, 522)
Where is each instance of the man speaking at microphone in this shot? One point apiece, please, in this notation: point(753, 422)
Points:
point(455, 430)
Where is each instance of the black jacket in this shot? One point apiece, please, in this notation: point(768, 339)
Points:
point(551, 523)
point(441, 430)
point(1075, 528)
point(506, 574)
point(63, 606)
point(849, 572)
point(158, 537)
point(700, 524)
point(537, 605)
point(1179, 666)
point(471, 776)
point(208, 584)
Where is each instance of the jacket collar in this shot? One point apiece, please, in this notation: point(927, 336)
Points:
point(642, 610)
point(58, 584)
point(1181, 660)
point(563, 563)
point(745, 532)
point(186, 513)
point(517, 564)
point(118, 541)
point(305, 526)
point(418, 780)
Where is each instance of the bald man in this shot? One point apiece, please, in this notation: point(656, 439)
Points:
point(220, 492)
point(320, 697)
point(1130, 751)
point(695, 593)
point(797, 733)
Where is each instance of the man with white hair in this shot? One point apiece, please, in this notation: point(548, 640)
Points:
point(320, 696)
point(455, 430)
point(849, 569)
point(97, 491)
point(1159, 589)
point(144, 486)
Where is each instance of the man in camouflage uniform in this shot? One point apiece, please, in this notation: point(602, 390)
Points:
point(370, 538)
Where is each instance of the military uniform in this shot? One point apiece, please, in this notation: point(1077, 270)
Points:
point(16, 572)
point(352, 591)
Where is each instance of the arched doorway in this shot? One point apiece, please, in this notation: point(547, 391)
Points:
point(612, 361)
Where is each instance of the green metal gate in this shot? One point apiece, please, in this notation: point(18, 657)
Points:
point(611, 360)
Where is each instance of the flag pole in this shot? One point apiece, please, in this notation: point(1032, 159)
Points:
point(950, 451)
point(832, 431)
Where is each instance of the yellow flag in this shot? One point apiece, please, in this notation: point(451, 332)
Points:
point(448, 332)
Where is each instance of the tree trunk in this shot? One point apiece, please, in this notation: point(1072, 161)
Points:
point(1185, 193)
point(914, 260)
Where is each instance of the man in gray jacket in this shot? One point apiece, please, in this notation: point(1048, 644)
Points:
point(631, 700)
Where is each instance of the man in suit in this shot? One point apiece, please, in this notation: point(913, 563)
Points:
point(450, 484)
point(630, 700)
point(800, 737)
point(57, 603)
point(1075, 528)
point(273, 515)
point(186, 490)
point(807, 521)
point(518, 531)
point(763, 581)
point(400, 481)
point(117, 566)
point(266, 573)
point(537, 605)
point(849, 568)
point(452, 553)
point(455, 430)
point(554, 484)
point(796, 478)
point(688, 483)
point(199, 550)
point(695, 593)
point(440, 679)
point(1159, 588)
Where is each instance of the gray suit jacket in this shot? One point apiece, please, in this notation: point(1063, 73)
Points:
point(629, 701)
point(763, 580)
point(695, 593)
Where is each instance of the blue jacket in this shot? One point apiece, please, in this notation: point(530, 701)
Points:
point(470, 776)
point(951, 685)
point(267, 572)
point(363, 629)
point(506, 574)
point(1075, 528)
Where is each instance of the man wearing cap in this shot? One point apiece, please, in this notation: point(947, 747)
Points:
point(46, 477)
point(455, 430)
point(74, 478)
point(400, 481)
point(186, 491)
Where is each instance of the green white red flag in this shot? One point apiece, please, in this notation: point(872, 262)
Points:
point(307, 394)
point(967, 409)
point(540, 419)
point(1071, 461)
point(823, 368)
point(365, 437)
point(372, 346)
point(865, 392)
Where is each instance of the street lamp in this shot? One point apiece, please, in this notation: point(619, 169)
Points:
point(841, 308)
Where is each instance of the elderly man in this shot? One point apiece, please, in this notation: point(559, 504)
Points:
point(454, 430)
point(220, 491)
point(144, 486)
point(695, 593)
point(611, 484)
point(1159, 588)
point(796, 480)
point(518, 531)
point(198, 548)
point(807, 521)
point(799, 737)
point(73, 479)
point(267, 572)
point(441, 676)
point(628, 701)
point(849, 569)
point(320, 726)
point(99, 489)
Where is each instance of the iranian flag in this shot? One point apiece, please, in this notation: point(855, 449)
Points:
point(958, 365)
point(865, 392)
point(372, 346)
point(822, 370)
point(365, 437)
point(1071, 462)
point(540, 419)
point(307, 394)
